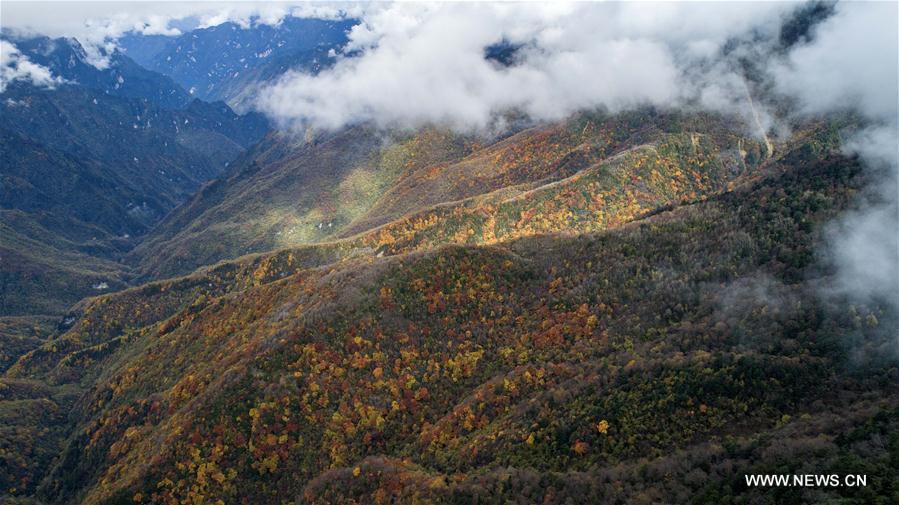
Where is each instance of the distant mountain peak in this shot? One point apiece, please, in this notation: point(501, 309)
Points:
point(68, 59)
point(224, 61)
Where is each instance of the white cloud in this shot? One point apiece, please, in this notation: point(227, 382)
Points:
point(864, 243)
point(865, 249)
point(15, 66)
point(851, 62)
point(247, 14)
point(424, 63)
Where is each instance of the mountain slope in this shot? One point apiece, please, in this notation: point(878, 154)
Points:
point(85, 172)
point(121, 77)
point(128, 143)
point(223, 62)
point(669, 356)
point(289, 191)
point(673, 169)
point(543, 153)
point(43, 273)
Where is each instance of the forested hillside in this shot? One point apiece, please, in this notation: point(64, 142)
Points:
point(436, 186)
point(680, 349)
point(92, 164)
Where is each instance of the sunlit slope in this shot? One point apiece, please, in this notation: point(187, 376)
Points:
point(542, 154)
point(549, 364)
point(677, 168)
point(293, 190)
point(289, 191)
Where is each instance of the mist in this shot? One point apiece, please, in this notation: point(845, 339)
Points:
point(410, 65)
point(15, 66)
point(851, 64)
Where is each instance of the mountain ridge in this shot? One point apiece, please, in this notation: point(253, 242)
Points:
point(493, 278)
point(561, 148)
point(225, 62)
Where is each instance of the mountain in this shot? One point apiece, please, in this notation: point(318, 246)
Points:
point(135, 143)
point(144, 48)
point(52, 252)
point(659, 357)
point(225, 61)
point(85, 171)
point(121, 77)
point(632, 304)
point(289, 191)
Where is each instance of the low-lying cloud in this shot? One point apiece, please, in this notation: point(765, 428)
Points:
point(864, 242)
point(852, 64)
point(15, 66)
point(424, 63)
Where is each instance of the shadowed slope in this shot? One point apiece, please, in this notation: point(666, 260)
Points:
point(84, 173)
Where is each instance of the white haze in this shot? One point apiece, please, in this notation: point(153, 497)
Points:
point(851, 63)
point(865, 241)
